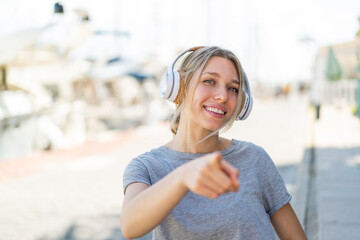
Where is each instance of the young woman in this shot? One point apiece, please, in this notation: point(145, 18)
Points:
point(200, 185)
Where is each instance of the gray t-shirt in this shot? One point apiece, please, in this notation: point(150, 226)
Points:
point(236, 215)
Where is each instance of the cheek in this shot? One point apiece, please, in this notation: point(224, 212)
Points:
point(232, 102)
point(200, 95)
point(203, 92)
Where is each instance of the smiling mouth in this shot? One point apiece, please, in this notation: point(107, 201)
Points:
point(215, 110)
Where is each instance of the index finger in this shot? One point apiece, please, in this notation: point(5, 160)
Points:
point(231, 171)
point(215, 159)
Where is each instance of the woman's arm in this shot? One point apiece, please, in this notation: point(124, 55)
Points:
point(286, 224)
point(145, 207)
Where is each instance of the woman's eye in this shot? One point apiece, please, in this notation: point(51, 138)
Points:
point(209, 81)
point(235, 90)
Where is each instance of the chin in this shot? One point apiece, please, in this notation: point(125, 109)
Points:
point(211, 124)
point(213, 128)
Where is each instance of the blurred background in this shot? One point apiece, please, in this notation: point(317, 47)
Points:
point(79, 90)
point(74, 69)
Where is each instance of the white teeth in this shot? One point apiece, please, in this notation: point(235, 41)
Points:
point(215, 110)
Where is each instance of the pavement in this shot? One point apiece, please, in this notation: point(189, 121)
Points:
point(329, 176)
point(77, 193)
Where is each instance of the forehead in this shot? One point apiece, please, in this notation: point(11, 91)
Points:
point(222, 66)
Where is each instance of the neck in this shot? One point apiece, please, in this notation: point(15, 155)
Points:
point(197, 141)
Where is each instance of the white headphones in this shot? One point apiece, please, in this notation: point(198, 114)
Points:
point(170, 84)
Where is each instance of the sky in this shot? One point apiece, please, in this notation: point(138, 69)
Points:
point(266, 35)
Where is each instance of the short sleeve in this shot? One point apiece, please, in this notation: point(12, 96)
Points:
point(275, 193)
point(135, 171)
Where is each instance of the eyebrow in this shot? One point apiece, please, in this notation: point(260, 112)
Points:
point(218, 75)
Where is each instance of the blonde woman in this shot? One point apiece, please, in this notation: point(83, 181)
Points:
point(200, 185)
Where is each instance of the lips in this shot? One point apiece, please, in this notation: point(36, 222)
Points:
point(215, 110)
point(219, 110)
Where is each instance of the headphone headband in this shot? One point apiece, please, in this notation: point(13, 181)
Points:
point(172, 65)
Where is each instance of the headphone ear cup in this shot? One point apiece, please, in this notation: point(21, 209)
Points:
point(176, 81)
point(246, 106)
point(164, 86)
point(169, 85)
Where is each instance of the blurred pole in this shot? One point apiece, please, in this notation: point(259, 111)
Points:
point(315, 85)
point(358, 70)
point(317, 111)
point(3, 78)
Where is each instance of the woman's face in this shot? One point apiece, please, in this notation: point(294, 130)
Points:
point(215, 95)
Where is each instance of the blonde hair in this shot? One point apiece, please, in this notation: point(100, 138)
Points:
point(191, 63)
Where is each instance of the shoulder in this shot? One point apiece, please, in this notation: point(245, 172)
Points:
point(259, 159)
point(144, 166)
point(156, 159)
point(249, 148)
point(140, 169)
point(249, 153)
point(151, 166)
point(149, 157)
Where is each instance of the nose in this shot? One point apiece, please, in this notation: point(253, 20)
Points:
point(220, 94)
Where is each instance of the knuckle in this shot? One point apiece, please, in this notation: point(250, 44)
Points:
point(197, 188)
point(227, 184)
point(198, 179)
point(204, 170)
point(213, 196)
point(222, 190)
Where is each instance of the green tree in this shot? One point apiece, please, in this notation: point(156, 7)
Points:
point(333, 68)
